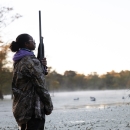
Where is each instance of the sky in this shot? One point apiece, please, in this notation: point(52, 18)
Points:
point(85, 36)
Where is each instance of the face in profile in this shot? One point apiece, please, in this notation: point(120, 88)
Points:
point(31, 45)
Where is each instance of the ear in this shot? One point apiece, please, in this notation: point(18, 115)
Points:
point(26, 44)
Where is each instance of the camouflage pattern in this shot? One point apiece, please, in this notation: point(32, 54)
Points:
point(31, 97)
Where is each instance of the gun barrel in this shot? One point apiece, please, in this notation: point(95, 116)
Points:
point(41, 38)
point(41, 44)
point(40, 31)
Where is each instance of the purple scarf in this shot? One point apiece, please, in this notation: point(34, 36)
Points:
point(22, 53)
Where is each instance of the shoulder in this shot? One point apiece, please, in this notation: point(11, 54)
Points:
point(30, 61)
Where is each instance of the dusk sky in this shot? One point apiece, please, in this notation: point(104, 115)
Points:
point(80, 35)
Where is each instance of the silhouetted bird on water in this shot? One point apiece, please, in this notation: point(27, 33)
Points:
point(123, 97)
point(92, 98)
point(76, 98)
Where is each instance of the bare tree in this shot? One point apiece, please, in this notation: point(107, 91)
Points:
point(7, 16)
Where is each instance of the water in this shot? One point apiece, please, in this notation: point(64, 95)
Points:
point(79, 114)
point(66, 100)
point(63, 100)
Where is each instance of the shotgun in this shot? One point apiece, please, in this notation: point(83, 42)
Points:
point(40, 54)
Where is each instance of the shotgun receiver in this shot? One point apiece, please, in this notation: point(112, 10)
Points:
point(40, 54)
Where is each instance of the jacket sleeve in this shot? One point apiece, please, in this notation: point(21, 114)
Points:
point(33, 70)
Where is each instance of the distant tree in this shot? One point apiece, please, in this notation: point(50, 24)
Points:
point(6, 17)
point(5, 73)
point(124, 78)
point(52, 81)
point(70, 73)
point(93, 81)
point(80, 81)
point(109, 80)
point(1, 95)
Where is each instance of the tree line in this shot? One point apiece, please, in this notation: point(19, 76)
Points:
point(70, 80)
point(73, 81)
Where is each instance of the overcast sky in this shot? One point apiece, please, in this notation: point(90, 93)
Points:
point(80, 35)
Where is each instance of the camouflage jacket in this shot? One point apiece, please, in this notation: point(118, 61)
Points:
point(30, 97)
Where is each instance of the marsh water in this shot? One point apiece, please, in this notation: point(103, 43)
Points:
point(81, 99)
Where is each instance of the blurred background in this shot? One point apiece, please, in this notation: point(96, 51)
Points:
point(86, 42)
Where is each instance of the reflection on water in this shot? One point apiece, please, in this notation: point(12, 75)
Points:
point(87, 107)
point(101, 106)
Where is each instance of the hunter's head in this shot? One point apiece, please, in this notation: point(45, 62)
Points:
point(23, 41)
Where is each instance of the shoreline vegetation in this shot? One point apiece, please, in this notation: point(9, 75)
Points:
point(72, 81)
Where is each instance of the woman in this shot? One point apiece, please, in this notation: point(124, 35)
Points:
point(31, 100)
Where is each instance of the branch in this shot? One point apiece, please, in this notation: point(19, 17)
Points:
point(7, 17)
